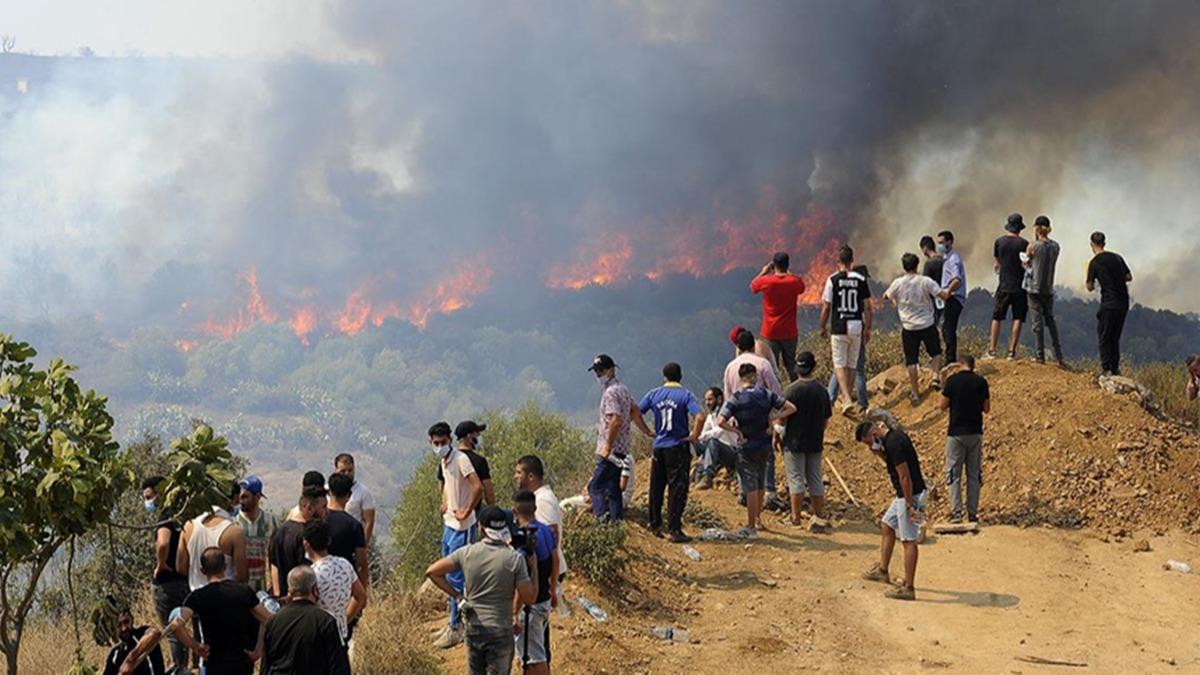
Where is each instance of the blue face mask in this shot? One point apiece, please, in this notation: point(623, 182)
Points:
point(943, 249)
point(149, 506)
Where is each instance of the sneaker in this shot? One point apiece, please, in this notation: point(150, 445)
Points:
point(706, 482)
point(877, 573)
point(451, 638)
point(816, 524)
point(900, 593)
point(990, 356)
point(937, 384)
point(1012, 356)
point(848, 409)
point(678, 537)
point(914, 399)
point(746, 533)
point(954, 520)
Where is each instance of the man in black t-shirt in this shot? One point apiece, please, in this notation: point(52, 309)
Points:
point(967, 397)
point(1114, 276)
point(1010, 292)
point(346, 536)
point(229, 615)
point(906, 514)
point(804, 440)
point(169, 587)
point(127, 640)
point(287, 544)
point(935, 264)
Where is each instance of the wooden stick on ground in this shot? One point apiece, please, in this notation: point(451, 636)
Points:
point(841, 482)
point(1050, 662)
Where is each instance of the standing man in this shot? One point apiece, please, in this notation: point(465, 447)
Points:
point(614, 440)
point(748, 415)
point(170, 587)
point(341, 593)
point(346, 537)
point(362, 503)
point(846, 320)
point(907, 512)
point(1043, 258)
point(532, 625)
point(259, 526)
point(1114, 276)
point(967, 397)
point(230, 616)
point(303, 639)
point(954, 282)
point(213, 530)
point(935, 264)
point(531, 475)
point(287, 546)
point(767, 379)
point(673, 406)
point(1009, 293)
point(804, 440)
point(914, 295)
point(780, 292)
point(860, 368)
point(717, 447)
point(461, 492)
point(470, 442)
point(493, 572)
point(1193, 370)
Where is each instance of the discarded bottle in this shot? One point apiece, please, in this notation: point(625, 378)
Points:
point(691, 553)
point(1179, 566)
point(271, 604)
point(563, 609)
point(597, 613)
point(679, 635)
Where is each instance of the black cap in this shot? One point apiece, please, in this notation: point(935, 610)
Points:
point(467, 428)
point(495, 518)
point(1042, 221)
point(805, 363)
point(1015, 223)
point(602, 362)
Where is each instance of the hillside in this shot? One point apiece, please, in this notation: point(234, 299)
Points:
point(1090, 468)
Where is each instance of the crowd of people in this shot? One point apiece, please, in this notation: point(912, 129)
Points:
point(235, 586)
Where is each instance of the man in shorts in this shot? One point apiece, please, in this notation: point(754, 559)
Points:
point(804, 440)
point(748, 415)
point(1010, 295)
point(846, 320)
point(531, 624)
point(914, 295)
point(906, 514)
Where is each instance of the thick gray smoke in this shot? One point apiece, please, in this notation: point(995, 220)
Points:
point(523, 136)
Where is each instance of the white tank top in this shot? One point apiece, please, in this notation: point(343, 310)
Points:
point(204, 538)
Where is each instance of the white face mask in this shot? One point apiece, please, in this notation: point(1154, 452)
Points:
point(877, 445)
point(443, 451)
point(479, 442)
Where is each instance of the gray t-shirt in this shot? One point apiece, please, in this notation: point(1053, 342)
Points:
point(1042, 263)
point(491, 570)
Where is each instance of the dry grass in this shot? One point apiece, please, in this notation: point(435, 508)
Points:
point(391, 636)
point(48, 646)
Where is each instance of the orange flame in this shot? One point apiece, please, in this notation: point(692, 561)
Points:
point(185, 345)
point(609, 264)
point(256, 311)
point(451, 295)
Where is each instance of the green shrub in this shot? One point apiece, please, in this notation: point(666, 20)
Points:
point(702, 516)
point(1168, 381)
point(595, 549)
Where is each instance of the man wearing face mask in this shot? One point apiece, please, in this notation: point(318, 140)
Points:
point(461, 492)
point(907, 512)
point(470, 443)
point(954, 281)
point(614, 442)
point(170, 587)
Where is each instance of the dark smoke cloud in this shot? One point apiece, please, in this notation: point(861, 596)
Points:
point(525, 131)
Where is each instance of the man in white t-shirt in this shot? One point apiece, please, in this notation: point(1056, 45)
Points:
point(530, 475)
point(461, 493)
point(362, 503)
point(914, 295)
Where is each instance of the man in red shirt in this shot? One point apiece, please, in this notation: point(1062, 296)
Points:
point(780, 292)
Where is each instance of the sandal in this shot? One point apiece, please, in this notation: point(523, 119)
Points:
point(879, 574)
point(900, 593)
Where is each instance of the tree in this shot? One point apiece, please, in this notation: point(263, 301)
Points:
point(61, 474)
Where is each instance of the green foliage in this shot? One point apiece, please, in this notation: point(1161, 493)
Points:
point(202, 475)
point(595, 549)
point(61, 473)
point(564, 450)
point(699, 515)
point(1169, 383)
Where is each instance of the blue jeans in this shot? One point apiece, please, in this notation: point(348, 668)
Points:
point(605, 491)
point(860, 382)
point(715, 454)
point(452, 540)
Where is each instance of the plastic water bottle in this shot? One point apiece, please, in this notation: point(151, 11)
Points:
point(271, 604)
point(662, 632)
point(563, 609)
point(691, 553)
point(1179, 566)
point(679, 635)
point(597, 613)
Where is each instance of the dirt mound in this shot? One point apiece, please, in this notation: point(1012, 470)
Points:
point(1058, 450)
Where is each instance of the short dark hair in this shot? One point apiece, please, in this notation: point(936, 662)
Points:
point(343, 458)
point(947, 235)
point(909, 261)
point(532, 465)
point(861, 431)
point(524, 497)
point(745, 341)
point(967, 360)
point(845, 254)
point(746, 370)
point(152, 482)
point(316, 533)
point(340, 485)
point(717, 391)
point(1099, 239)
point(782, 261)
point(439, 429)
point(212, 560)
point(313, 478)
point(673, 372)
point(927, 243)
point(311, 493)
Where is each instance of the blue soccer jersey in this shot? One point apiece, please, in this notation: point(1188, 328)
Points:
point(672, 405)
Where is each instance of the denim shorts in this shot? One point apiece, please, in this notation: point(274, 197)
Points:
point(752, 470)
point(897, 518)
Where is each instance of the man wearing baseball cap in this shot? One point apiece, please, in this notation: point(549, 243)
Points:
point(614, 440)
point(780, 291)
point(470, 443)
point(259, 526)
point(493, 573)
point(1009, 292)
